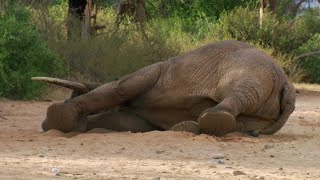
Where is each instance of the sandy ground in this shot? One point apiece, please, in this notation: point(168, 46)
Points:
point(27, 153)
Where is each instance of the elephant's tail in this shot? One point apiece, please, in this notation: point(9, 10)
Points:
point(288, 99)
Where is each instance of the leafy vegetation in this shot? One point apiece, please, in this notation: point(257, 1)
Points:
point(23, 55)
point(34, 39)
point(311, 64)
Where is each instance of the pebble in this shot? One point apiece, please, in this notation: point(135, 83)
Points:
point(159, 152)
point(238, 173)
point(255, 133)
point(221, 161)
point(55, 171)
point(156, 178)
point(269, 146)
point(257, 178)
point(218, 156)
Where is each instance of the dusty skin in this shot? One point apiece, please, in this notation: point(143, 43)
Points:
point(27, 153)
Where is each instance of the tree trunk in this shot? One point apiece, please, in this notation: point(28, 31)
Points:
point(86, 23)
point(269, 5)
point(76, 18)
point(293, 10)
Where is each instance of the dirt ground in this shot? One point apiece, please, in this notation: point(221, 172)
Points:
point(28, 153)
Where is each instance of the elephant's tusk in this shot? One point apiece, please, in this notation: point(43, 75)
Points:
point(64, 83)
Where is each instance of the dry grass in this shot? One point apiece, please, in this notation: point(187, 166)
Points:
point(307, 87)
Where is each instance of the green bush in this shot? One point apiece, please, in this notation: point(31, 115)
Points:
point(281, 35)
point(23, 55)
point(311, 64)
point(241, 24)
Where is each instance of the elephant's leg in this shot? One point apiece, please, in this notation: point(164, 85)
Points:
point(119, 121)
point(188, 126)
point(220, 119)
point(65, 116)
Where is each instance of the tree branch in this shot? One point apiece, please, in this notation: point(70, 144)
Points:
point(296, 7)
point(302, 56)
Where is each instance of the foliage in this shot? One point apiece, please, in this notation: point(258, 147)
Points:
point(311, 64)
point(118, 52)
point(33, 36)
point(283, 36)
point(23, 55)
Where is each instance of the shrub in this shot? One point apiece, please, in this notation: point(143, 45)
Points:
point(241, 24)
point(123, 50)
point(280, 34)
point(311, 64)
point(23, 55)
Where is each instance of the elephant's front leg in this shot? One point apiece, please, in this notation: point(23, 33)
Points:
point(65, 116)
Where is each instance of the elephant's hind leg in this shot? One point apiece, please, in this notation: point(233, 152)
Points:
point(220, 119)
point(188, 126)
point(119, 121)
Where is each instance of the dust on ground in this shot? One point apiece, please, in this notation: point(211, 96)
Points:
point(27, 153)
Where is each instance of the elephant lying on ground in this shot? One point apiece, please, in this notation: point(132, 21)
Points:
point(216, 89)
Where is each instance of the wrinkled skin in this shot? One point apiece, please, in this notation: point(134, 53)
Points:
point(217, 89)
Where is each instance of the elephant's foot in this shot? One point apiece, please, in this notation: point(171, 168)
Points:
point(217, 123)
point(62, 116)
point(188, 126)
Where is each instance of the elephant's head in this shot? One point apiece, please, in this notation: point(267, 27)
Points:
point(64, 116)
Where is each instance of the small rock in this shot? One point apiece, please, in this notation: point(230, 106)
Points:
point(281, 169)
point(269, 146)
point(255, 133)
point(81, 144)
point(257, 178)
point(55, 171)
point(77, 174)
point(272, 156)
point(196, 170)
point(218, 156)
point(159, 152)
point(221, 161)
point(156, 178)
point(42, 155)
point(238, 173)
point(301, 117)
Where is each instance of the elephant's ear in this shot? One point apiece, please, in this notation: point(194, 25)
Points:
point(79, 87)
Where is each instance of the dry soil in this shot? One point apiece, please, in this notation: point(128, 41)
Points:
point(28, 153)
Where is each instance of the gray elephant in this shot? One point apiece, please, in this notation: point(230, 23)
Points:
point(216, 89)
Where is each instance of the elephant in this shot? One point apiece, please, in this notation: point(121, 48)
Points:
point(219, 88)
